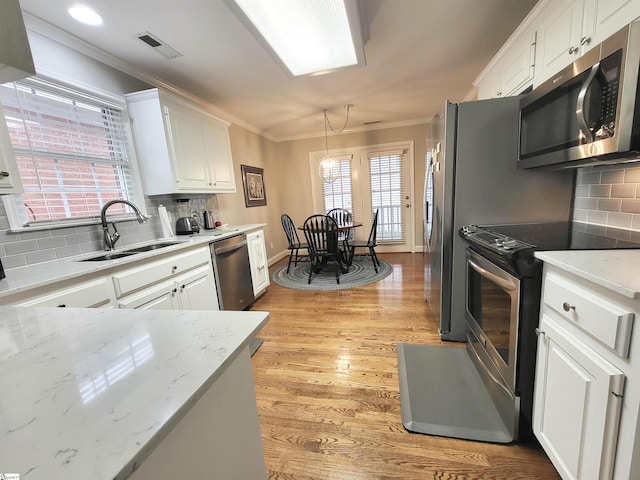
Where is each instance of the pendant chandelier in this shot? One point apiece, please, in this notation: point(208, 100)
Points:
point(329, 169)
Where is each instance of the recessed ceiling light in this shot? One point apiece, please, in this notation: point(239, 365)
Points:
point(86, 15)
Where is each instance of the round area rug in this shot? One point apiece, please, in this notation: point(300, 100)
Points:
point(360, 273)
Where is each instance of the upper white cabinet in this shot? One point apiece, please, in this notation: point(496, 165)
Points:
point(180, 148)
point(258, 261)
point(569, 28)
point(553, 35)
point(9, 177)
point(15, 54)
point(512, 72)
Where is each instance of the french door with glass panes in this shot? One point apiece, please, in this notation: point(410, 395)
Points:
point(370, 179)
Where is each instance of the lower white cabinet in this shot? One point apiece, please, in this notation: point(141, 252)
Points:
point(577, 404)
point(587, 385)
point(179, 281)
point(96, 293)
point(258, 261)
point(194, 290)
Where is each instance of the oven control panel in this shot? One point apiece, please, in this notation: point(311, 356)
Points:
point(497, 242)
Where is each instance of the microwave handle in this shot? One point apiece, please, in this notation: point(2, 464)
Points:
point(580, 112)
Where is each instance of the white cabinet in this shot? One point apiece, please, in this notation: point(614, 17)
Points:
point(609, 16)
point(180, 148)
point(15, 54)
point(569, 28)
point(189, 291)
point(587, 383)
point(179, 281)
point(96, 293)
point(513, 71)
point(577, 404)
point(9, 177)
point(560, 38)
point(258, 261)
point(184, 281)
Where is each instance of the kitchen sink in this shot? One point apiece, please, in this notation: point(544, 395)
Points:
point(148, 248)
point(108, 256)
point(127, 253)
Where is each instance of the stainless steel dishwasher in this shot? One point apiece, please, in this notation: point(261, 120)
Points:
point(233, 272)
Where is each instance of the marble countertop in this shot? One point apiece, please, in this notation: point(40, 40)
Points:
point(617, 270)
point(87, 393)
point(32, 276)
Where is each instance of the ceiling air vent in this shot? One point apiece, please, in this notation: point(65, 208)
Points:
point(158, 45)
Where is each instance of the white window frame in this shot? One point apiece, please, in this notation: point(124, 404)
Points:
point(13, 205)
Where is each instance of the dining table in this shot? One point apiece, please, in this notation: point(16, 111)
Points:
point(347, 253)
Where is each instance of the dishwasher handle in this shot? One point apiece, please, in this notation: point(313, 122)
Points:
point(230, 248)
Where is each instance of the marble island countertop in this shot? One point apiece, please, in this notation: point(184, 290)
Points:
point(88, 393)
point(617, 270)
point(24, 278)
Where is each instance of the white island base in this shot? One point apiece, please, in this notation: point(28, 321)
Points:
point(218, 438)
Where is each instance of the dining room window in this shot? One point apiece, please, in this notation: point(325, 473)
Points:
point(72, 151)
point(339, 193)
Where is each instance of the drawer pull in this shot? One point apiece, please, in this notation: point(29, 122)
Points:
point(539, 332)
point(566, 306)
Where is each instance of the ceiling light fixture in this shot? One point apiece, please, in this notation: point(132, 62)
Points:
point(309, 37)
point(329, 168)
point(86, 15)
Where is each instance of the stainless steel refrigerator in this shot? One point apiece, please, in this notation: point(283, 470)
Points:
point(473, 180)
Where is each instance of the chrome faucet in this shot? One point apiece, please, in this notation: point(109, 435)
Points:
point(109, 238)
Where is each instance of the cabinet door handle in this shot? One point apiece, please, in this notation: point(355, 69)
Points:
point(174, 268)
point(4, 173)
point(539, 332)
point(566, 306)
point(585, 40)
point(572, 50)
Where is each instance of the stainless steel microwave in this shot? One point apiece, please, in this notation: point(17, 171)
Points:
point(587, 114)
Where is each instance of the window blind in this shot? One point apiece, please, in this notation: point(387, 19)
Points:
point(387, 193)
point(71, 151)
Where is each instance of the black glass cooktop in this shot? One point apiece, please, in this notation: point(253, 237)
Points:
point(569, 236)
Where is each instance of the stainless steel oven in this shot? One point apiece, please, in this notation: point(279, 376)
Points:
point(492, 314)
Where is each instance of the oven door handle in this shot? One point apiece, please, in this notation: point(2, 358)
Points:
point(497, 381)
point(504, 283)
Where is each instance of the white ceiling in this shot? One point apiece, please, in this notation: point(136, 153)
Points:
point(419, 54)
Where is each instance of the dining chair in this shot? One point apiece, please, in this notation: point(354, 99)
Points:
point(321, 233)
point(343, 217)
point(369, 244)
point(294, 243)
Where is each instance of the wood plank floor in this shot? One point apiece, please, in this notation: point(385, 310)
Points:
point(327, 389)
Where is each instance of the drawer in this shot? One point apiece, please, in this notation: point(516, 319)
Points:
point(606, 321)
point(85, 295)
point(155, 271)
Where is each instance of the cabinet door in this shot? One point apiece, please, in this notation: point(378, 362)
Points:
point(187, 144)
point(219, 156)
point(163, 296)
point(559, 35)
point(577, 404)
point(197, 290)
point(91, 294)
point(258, 261)
point(516, 70)
point(612, 15)
point(9, 177)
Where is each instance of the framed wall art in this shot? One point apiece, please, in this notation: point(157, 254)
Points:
point(253, 181)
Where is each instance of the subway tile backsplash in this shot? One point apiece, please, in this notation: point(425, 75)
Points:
point(609, 196)
point(27, 248)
